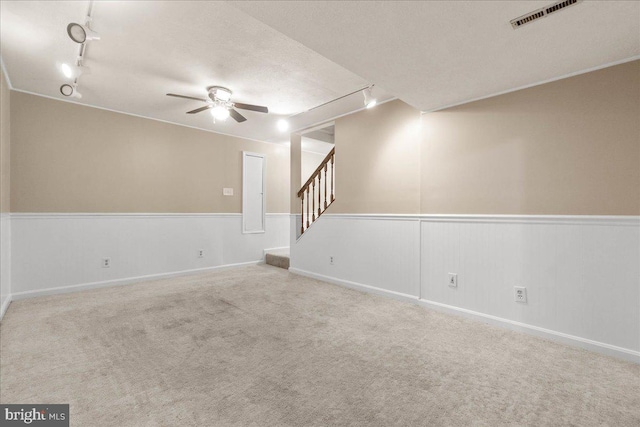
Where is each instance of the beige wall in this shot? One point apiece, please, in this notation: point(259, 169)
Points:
point(71, 158)
point(568, 147)
point(378, 160)
point(5, 233)
point(5, 96)
point(295, 171)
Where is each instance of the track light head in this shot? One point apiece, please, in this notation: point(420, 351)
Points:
point(70, 91)
point(369, 100)
point(81, 33)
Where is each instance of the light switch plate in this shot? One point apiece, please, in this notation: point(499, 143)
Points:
point(227, 191)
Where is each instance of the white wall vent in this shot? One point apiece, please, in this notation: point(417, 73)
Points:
point(541, 13)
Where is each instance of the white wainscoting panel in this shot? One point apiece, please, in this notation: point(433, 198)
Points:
point(582, 278)
point(582, 273)
point(5, 263)
point(371, 251)
point(56, 251)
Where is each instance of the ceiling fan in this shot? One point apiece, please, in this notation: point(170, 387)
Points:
point(220, 104)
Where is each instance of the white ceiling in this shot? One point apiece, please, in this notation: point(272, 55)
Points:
point(314, 146)
point(150, 48)
point(293, 56)
point(325, 134)
point(319, 141)
point(433, 54)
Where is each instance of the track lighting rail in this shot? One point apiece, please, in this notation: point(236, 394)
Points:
point(80, 34)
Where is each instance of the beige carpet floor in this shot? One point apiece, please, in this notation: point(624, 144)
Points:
point(260, 346)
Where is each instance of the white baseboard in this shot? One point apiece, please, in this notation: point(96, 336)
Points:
point(120, 282)
point(5, 306)
point(599, 347)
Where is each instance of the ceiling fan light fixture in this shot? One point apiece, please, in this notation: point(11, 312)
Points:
point(81, 33)
point(369, 100)
point(220, 112)
point(219, 93)
point(220, 105)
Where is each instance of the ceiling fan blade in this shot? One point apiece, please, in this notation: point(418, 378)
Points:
point(250, 107)
point(237, 116)
point(187, 97)
point(198, 110)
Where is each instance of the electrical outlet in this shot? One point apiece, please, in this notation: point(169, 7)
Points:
point(453, 280)
point(201, 253)
point(520, 293)
point(227, 191)
point(331, 260)
point(106, 262)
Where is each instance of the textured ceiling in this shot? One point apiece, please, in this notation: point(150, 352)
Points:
point(293, 56)
point(433, 54)
point(151, 48)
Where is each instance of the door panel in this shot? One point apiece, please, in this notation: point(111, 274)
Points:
point(253, 189)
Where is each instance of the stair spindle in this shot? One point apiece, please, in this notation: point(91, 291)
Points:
point(313, 200)
point(307, 207)
point(302, 210)
point(332, 159)
point(319, 193)
point(325, 186)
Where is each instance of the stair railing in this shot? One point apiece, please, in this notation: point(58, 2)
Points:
point(307, 193)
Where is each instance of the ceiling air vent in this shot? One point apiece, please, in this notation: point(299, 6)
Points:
point(541, 13)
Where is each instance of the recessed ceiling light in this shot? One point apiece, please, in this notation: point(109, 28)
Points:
point(283, 125)
point(220, 112)
point(81, 33)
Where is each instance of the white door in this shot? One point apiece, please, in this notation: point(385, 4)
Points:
point(253, 192)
